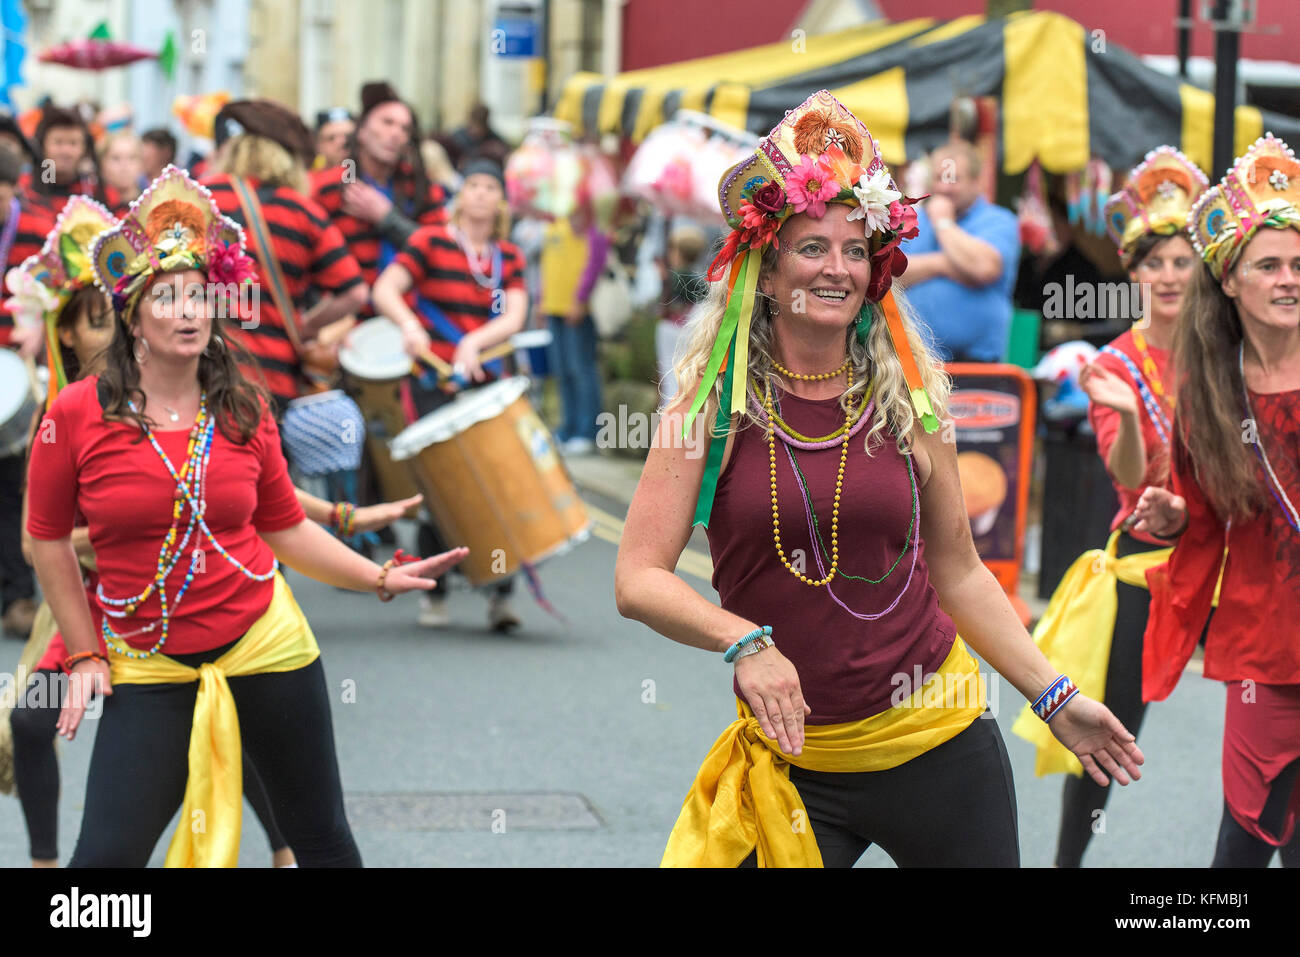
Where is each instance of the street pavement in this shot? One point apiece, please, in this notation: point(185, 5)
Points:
point(572, 743)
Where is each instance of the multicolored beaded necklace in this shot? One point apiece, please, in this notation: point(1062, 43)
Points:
point(1274, 486)
point(190, 485)
point(1159, 420)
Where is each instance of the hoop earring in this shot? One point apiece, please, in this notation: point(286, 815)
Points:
point(773, 310)
point(141, 355)
point(221, 346)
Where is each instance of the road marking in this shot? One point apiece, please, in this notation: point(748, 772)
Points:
point(610, 528)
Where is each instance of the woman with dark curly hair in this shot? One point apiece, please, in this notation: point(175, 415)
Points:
point(174, 460)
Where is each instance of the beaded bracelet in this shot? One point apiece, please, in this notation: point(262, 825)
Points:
point(399, 558)
point(72, 660)
point(761, 643)
point(730, 654)
point(1051, 701)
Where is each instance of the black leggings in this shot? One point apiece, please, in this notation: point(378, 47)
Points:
point(1237, 847)
point(1083, 797)
point(36, 770)
point(953, 806)
point(429, 540)
point(140, 765)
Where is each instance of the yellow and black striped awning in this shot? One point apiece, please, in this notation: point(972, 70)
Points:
point(1066, 93)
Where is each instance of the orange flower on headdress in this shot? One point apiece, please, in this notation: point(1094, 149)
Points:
point(178, 221)
point(818, 130)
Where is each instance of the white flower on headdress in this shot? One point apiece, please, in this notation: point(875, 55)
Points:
point(1168, 189)
point(31, 299)
point(1278, 180)
point(874, 197)
point(174, 238)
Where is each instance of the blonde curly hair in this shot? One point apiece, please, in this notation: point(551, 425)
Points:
point(875, 362)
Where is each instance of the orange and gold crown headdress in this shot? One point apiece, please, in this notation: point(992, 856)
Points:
point(819, 153)
point(1261, 189)
point(1156, 198)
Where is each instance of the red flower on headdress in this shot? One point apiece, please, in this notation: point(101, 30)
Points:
point(887, 264)
point(757, 228)
point(770, 198)
point(902, 218)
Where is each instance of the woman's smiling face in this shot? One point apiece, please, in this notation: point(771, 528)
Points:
point(822, 268)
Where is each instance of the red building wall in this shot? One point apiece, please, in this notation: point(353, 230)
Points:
point(665, 31)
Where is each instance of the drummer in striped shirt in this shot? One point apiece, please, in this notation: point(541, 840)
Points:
point(268, 146)
point(469, 291)
point(381, 193)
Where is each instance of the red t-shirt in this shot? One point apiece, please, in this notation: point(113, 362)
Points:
point(440, 272)
point(1105, 422)
point(80, 462)
point(1253, 633)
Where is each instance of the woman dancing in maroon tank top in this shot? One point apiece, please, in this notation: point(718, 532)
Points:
point(835, 518)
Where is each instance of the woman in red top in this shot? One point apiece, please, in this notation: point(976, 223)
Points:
point(1131, 411)
point(171, 445)
point(850, 720)
point(1236, 485)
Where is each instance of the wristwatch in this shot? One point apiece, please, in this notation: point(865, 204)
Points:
point(944, 223)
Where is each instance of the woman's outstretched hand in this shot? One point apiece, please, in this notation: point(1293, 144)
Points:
point(421, 575)
point(1160, 512)
point(1098, 740)
point(372, 517)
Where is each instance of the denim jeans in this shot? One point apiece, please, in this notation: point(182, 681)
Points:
point(573, 361)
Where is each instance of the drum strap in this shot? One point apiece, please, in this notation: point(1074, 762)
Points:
point(261, 239)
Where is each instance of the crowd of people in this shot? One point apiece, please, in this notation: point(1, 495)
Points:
point(807, 354)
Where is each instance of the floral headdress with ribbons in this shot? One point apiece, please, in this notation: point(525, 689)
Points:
point(42, 284)
point(173, 225)
point(1261, 189)
point(819, 153)
point(1156, 198)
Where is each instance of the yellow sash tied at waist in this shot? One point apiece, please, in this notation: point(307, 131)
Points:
point(743, 800)
point(1075, 634)
point(211, 816)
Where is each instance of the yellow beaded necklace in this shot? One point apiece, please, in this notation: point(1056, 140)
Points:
point(839, 487)
point(809, 378)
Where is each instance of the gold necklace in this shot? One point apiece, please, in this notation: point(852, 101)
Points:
point(809, 378)
point(835, 510)
point(813, 440)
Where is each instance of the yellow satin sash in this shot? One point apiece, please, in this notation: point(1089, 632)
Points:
point(743, 800)
point(211, 816)
point(1075, 634)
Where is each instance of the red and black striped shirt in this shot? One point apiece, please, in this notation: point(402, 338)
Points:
point(34, 224)
point(362, 237)
point(440, 272)
point(56, 196)
point(312, 254)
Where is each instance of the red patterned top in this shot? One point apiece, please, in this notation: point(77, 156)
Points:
point(1252, 634)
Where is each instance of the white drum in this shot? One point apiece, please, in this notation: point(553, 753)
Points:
point(19, 399)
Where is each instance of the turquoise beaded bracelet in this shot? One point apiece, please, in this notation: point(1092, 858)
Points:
point(730, 654)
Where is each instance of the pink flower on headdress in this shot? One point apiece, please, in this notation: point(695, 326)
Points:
point(228, 264)
point(810, 186)
point(902, 218)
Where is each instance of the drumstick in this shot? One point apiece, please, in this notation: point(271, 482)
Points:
point(442, 367)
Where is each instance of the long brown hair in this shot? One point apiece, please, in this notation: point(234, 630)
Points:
point(1210, 412)
point(85, 298)
point(236, 403)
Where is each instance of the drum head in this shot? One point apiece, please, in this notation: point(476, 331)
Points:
point(15, 385)
point(373, 350)
point(455, 417)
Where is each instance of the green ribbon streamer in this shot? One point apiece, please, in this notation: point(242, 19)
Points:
point(717, 445)
point(725, 340)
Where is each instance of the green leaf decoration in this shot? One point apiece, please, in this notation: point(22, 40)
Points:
point(74, 258)
point(167, 57)
point(101, 32)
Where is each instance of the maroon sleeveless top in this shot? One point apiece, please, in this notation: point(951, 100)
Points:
point(847, 667)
